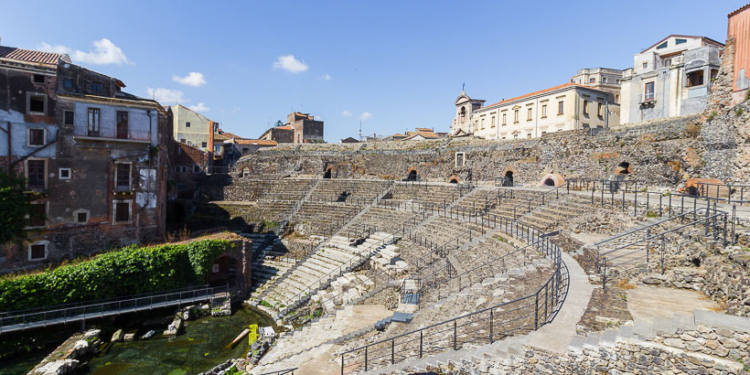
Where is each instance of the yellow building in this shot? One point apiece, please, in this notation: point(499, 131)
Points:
point(565, 107)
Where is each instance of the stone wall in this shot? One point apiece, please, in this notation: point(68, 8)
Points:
point(662, 153)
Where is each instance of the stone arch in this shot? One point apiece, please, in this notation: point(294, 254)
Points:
point(553, 179)
point(454, 179)
point(412, 174)
point(509, 175)
point(329, 171)
point(624, 168)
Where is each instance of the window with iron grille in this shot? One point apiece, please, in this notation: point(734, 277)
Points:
point(122, 177)
point(94, 121)
point(35, 173)
point(36, 137)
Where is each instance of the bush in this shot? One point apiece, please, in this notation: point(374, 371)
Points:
point(131, 270)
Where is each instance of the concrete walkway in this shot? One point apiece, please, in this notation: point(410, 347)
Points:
point(650, 303)
point(557, 335)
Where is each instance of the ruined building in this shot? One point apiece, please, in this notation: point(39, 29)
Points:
point(94, 157)
point(671, 78)
point(300, 128)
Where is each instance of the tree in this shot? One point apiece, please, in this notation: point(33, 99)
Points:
point(16, 208)
point(279, 123)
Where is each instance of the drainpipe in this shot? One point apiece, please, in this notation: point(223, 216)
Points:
point(606, 111)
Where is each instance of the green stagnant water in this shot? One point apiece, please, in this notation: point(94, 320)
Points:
point(201, 347)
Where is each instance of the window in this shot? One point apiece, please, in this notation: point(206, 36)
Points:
point(36, 103)
point(215, 268)
point(122, 125)
point(544, 110)
point(604, 79)
point(504, 118)
point(560, 107)
point(38, 216)
point(217, 149)
point(187, 124)
point(68, 84)
point(196, 168)
point(122, 211)
point(94, 121)
point(69, 118)
point(204, 144)
point(36, 137)
point(648, 91)
point(663, 45)
point(483, 123)
point(515, 116)
point(64, 173)
point(680, 41)
point(38, 78)
point(244, 150)
point(528, 114)
point(528, 135)
point(122, 177)
point(600, 109)
point(460, 159)
point(183, 140)
point(585, 107)
point(35, 171)
point(38, 251)
point(96, 87)
point(82, 217)
point(592, 80)
point(515, 136)
point(463, 114)
point(695, 78)
point(714, 73)
point(493, 121)
point(645, 65)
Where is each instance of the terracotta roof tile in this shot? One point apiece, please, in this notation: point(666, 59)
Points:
point(540, 92)
point(39, 57)
point(255, 142)
point(744, 7)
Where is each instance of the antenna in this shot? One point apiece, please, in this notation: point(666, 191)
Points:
point(360, 130)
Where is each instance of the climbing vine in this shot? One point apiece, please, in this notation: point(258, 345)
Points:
point(15, 207)
point(129, 271)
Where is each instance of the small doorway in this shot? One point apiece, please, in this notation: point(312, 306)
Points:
point(692, 191)
point(508, 179)
point(549, 182)
point(623, 168)
point(454, 180)
point(327, 173)
point(412, 175)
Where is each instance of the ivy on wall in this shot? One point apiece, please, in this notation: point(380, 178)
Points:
point(131, 270)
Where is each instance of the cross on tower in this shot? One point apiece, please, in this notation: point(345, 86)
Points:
point(463, 87)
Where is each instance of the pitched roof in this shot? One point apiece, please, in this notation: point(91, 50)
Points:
point(31, 56)
point(254, 142)
point(558, 87)
point(707, 39)
point(744, 7)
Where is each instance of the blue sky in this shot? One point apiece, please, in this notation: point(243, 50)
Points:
point(397, 65)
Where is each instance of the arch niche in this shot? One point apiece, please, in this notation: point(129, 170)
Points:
point(553, 179)
point(509, 176)
point(412, 174)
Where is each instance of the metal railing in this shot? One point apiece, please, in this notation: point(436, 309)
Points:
point(62, 314)
point(112, 133)
point(724, 192)
point(485, 326)
point(281, 372)
point(317, 284)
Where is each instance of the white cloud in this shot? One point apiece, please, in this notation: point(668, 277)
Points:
point(46, 47)
point(326, 77)
point(290, 64)
point(166, 96)
point(365, 116)
point(200, 107)
point(105, 52)
point(346, 114)
point(236, 109)
point(194, 79)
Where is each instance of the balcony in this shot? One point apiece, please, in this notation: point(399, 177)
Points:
point(113, 134)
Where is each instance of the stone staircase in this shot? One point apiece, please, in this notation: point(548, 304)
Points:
point(556, 213)
point(318, 270)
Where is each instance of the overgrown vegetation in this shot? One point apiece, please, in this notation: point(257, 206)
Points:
point(131, 270)
point(16, 208)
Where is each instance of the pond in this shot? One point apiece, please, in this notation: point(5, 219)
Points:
point(201, 347)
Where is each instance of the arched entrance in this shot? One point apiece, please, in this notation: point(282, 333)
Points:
point(549, 182)
point(412, 175)
point(692, 191)
point(454, 179)
point(508, 178)
point(553, 179)
point(623, 168)
point(327, 173)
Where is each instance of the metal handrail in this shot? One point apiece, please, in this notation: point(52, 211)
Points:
point(102, 309)
point(551, 249)
point(281, 372)
point(99, 301)
point(647, 227)
point(328, 276)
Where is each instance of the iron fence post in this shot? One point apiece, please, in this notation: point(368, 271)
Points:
point(421, 340)
point(455, 335)
point(342, 364)
point(366, 357)
point(536, 310)
point(663, 251)
point(492, 318)
point(393, 351)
